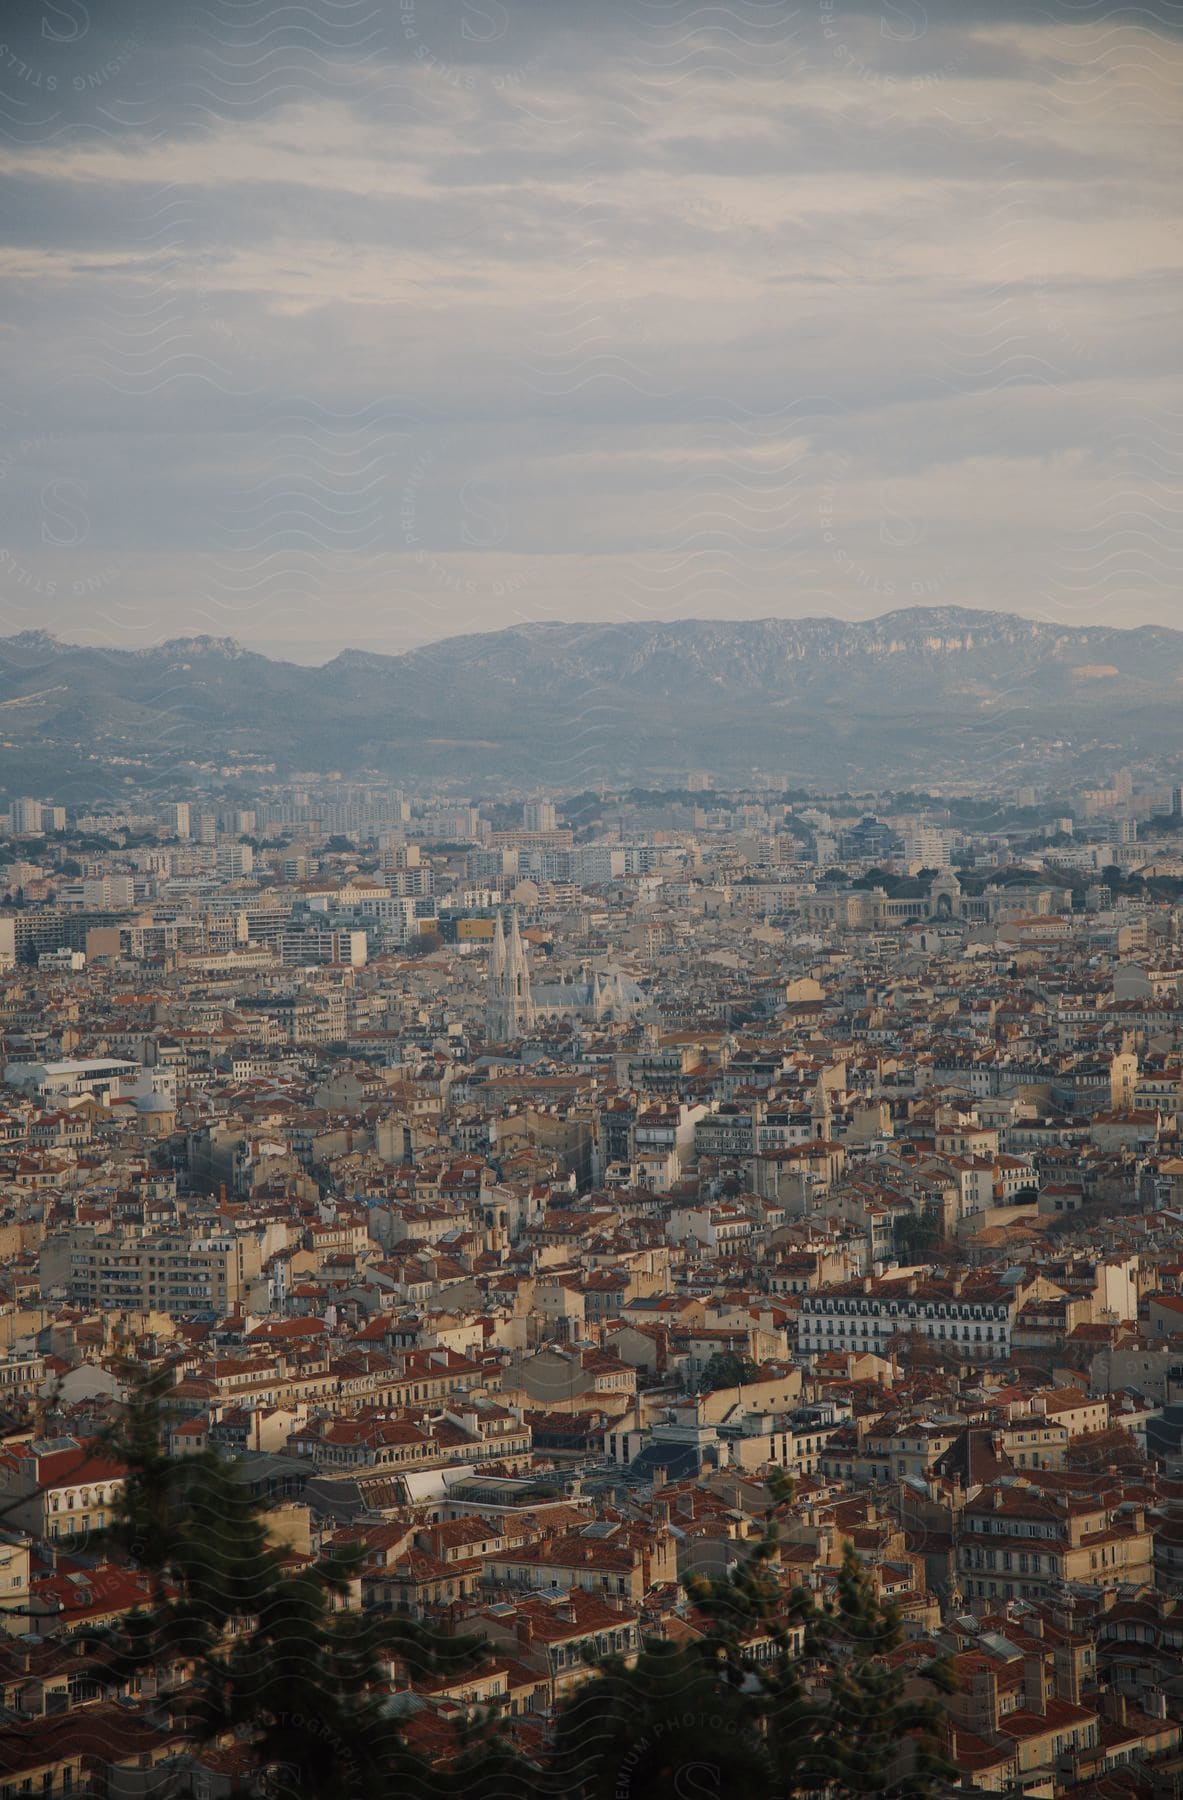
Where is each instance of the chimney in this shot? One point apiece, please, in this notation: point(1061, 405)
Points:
point(1033, 1684)
point(525, 1630)
point(1069, 1688)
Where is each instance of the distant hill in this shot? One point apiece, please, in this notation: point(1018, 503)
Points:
point(901, 699)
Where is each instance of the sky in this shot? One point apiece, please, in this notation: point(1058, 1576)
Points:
point(370, 322)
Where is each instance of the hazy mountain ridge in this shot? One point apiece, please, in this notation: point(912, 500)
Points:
point(614, 698)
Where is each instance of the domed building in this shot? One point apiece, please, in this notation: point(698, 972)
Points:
point(157, 1114)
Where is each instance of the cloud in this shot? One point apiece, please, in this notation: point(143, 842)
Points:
point(350, 322)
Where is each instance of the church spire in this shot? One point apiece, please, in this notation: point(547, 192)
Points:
point(510, 1008)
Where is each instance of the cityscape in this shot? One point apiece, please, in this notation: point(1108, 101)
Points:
point(591, 900)
point(508, 1190)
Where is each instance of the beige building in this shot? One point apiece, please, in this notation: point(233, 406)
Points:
point(59, 1488)
point(165, 1272)
point(619, 1561)
point(1018, 1542)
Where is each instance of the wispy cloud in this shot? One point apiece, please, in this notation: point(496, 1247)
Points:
point(349, 322)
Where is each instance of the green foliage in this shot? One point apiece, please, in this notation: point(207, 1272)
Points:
point(725, 1369)
point(644, 1730)
point(776, 1695)
point(877, 1741)
point(766, 1693)
point(917, 1236)
point(254, 1634)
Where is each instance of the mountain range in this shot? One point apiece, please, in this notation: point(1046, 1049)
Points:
point(897, 700)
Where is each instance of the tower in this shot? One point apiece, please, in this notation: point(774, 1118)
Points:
point(509, 1009)
point(820, 1117)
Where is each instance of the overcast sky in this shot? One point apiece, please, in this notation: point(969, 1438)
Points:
point(366, 322)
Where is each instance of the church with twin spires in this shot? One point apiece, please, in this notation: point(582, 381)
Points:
point(513, 1006)
point(509, 1008)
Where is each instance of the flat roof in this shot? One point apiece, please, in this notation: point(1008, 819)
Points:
point(91, 1065)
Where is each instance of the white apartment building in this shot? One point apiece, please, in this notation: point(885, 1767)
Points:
point(973, 1318)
